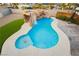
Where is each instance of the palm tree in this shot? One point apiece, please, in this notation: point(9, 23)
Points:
point(37, 6)
point(66, 6)
point(14, 5)
point(70, 5)
point(63, 6)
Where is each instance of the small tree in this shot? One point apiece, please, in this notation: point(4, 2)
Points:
point(14, 5)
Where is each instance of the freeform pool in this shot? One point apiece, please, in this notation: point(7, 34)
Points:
point(42, 35)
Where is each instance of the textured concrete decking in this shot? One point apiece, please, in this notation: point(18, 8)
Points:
point(72, 32)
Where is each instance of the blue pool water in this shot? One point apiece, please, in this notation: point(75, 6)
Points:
point(42, 35)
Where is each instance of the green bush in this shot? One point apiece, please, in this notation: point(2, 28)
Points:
point(64, 18)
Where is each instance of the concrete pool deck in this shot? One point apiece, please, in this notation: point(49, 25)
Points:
point(72, 31)
point(62, 48)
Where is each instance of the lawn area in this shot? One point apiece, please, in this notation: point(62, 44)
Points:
point(9, 29)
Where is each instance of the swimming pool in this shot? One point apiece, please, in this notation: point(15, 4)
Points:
point(41, 35)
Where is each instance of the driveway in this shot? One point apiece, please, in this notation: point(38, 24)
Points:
point(6, 19)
